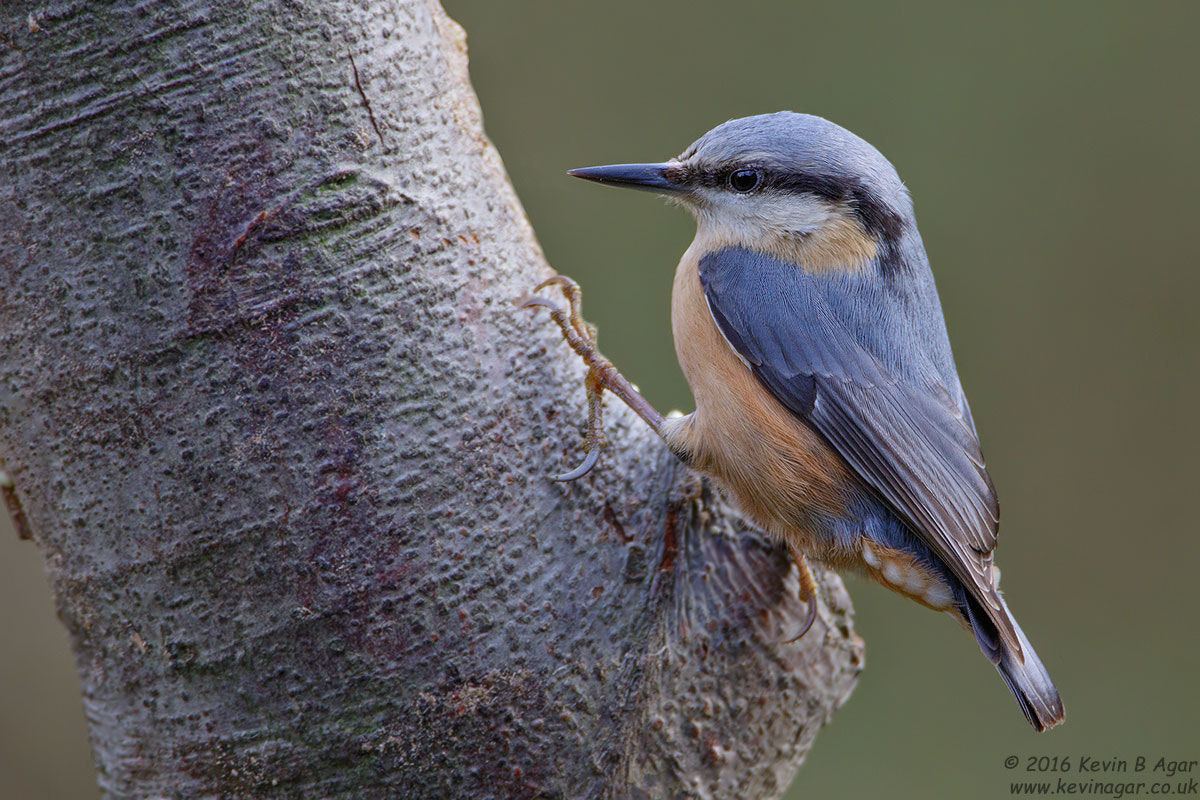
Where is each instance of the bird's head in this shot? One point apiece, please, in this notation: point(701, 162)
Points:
point(794, 186)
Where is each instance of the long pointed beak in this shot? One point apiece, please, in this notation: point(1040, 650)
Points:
point(648, 177)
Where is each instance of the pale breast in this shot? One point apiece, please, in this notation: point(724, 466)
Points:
point(780, 472)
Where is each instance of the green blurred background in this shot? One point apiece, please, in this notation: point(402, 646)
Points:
point(1051, 149)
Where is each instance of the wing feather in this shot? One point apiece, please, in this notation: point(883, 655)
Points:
point(883, 407)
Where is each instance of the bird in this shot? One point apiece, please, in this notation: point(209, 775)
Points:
point(828, 406)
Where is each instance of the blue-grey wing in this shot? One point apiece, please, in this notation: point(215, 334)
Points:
point(864, 370)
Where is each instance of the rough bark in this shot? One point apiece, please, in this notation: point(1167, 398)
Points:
point(275, 424)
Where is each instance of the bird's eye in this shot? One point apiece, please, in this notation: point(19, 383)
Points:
point(745, 180)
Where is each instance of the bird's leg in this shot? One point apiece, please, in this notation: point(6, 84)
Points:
point(581, 337)
point(808, 593)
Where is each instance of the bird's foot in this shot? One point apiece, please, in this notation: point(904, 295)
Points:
point(808, 593)
point(579, 334)
point(581, 337)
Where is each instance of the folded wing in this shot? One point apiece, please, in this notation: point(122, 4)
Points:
point(880, 403)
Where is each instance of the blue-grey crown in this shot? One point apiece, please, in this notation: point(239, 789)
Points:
point(802, 152)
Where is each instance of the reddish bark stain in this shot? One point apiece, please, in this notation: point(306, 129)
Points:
point(670, 539)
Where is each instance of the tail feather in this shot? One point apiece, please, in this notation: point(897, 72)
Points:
point(1024, 672)
point(1030, 683)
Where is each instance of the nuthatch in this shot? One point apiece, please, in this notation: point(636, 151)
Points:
point(828, 405)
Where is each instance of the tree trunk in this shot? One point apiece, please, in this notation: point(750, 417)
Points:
point(270, 413)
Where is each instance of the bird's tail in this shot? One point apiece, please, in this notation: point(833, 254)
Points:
point(1026, 677)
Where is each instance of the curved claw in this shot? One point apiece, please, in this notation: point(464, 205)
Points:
point(534, 300)
point(589, 463)
point(558, 280)
point(808, 620)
